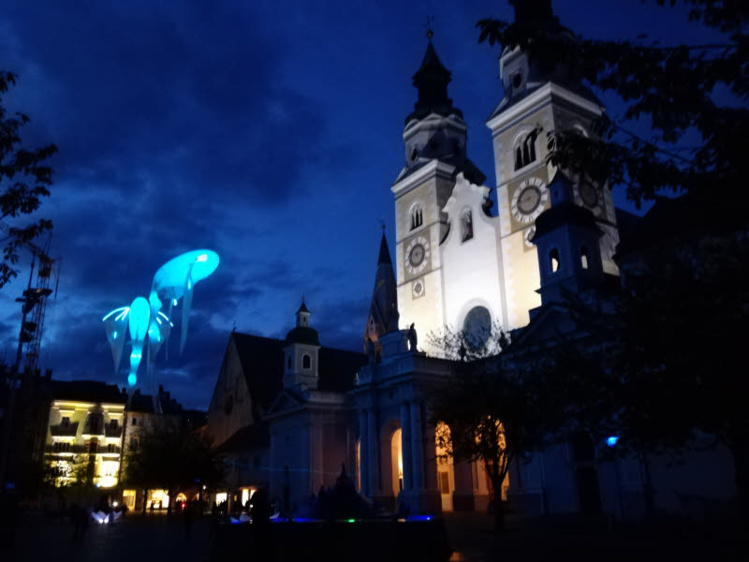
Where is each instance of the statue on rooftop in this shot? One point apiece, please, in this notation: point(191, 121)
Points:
point(412, 338)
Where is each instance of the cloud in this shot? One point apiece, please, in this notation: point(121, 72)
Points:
point(187, 99)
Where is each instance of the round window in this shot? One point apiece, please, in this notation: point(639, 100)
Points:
point(477, 327)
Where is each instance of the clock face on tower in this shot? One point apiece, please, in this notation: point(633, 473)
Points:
point(417, 255)
point(529, 200)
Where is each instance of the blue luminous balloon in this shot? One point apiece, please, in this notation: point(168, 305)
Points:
point(612, 441)
point(176, 279)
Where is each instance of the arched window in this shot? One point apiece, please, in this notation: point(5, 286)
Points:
point(517, 80)
point(417, 217)
point(584, 260)
point(466, 226)
point(554, 262)
point(306, 361)
point(288, 363)
point(525, 151)
point(477, 327)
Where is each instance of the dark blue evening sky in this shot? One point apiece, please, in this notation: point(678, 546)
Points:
point(269, 132)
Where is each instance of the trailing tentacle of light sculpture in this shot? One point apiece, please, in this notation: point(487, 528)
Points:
point(115, 324)
point(140, 314)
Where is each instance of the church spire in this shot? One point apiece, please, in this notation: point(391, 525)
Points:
point(383, 312)
point(431, 80)
point(384, 258)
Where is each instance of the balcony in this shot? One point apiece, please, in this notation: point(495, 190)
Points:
point(109, 452)
point(67, 430)
point(65, 449)
point(89, 432)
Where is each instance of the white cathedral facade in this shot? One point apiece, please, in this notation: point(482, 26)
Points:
point(289, 414)
point(458, 263)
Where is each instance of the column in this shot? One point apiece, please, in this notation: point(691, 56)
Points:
point(406, 446)
point(373, 443)
point(429, 447)
point(364, 453)
point(464, 486)
point(417, 447)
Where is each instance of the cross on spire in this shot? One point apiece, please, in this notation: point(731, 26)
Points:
point(430, 32)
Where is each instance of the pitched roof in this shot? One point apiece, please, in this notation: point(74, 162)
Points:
point(247, 437)
point(87, 391)
point(144, 403)
point(262, 362)
point(337, 368)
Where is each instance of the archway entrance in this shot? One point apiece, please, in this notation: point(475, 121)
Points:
point(396, 460)
point(445, 469)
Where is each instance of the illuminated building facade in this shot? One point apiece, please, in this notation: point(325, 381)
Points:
point(249, 423)
point(85, 432)
point(144, 413)
point(458, 264)
point(91, 426)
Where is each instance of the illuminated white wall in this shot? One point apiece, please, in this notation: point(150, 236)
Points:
point(470, 268)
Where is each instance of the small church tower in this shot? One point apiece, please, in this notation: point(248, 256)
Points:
point(301, 353)
point(567, 239)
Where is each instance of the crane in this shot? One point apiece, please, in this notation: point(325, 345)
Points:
point(34, 303)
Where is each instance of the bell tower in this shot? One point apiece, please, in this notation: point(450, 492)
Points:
point(435, 150)
point(301, 353)
point(538, 99)
point(567, 241)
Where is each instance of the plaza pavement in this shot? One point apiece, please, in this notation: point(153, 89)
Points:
point(159, 538)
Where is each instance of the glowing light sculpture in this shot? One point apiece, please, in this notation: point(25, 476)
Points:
point(140, 314)
point(176, 279)
point(147, 326)
point(115, 324)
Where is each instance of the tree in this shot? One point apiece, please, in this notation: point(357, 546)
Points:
point(669, 350)
point(25, 178)
point(170, 458)
point(492, 410)
point(691, 93)
point(674, 337)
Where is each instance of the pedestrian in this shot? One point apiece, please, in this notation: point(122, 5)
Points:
point(260, 513)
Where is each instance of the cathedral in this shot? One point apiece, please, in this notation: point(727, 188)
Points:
point(289, 414)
